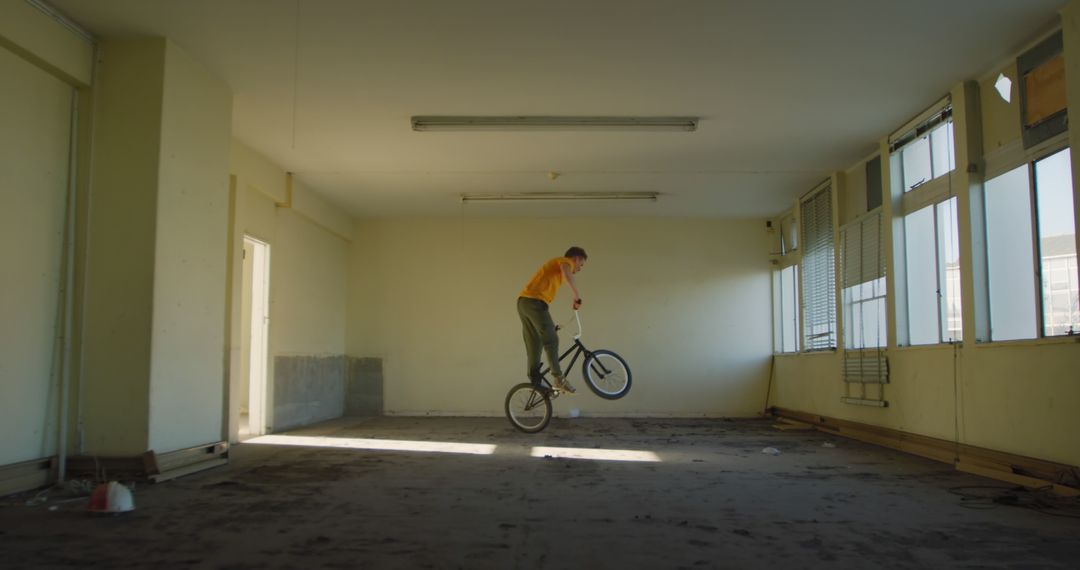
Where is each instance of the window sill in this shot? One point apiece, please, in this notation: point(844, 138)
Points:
point(831, 351)
point(923, 347)
point(1046, 341)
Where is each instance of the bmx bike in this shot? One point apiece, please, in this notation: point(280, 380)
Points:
point(528, 405)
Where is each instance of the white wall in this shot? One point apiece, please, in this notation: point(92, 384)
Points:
point(686, 302)
point(35, 111)
point(187, 352)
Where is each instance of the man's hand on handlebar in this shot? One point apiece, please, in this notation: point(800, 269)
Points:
point(577, 303)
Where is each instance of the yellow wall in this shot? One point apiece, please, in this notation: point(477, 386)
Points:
point(308, 267)
point(686, 302)
point(188, 334)
point(118, 296)
point(35, 111)
point(26, 31)
point(155, 287)
point(1017, 397)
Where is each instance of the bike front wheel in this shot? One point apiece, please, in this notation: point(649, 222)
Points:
point(528, 407)
point(607, 374)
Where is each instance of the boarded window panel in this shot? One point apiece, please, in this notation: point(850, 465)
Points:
point(1043, 104)
point(1045, 86)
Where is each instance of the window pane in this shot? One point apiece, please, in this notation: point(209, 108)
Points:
point(916, 163)
point(1010, 261)
point(778, 314)
point(941, 146)
point(922, 280)
point(847, 300)
point(949, 271)
point(1057, 244)
point(864, 315)
point(789, 308)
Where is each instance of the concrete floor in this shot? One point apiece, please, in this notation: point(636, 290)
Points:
point(714, 500)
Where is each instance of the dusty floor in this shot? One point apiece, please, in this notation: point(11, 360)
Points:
point(714, 500)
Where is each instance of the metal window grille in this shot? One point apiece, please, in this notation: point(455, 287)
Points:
point(818, 271)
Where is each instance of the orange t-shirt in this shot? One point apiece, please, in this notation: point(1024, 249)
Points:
point(545, 283)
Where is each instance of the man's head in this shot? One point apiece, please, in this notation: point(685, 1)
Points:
point(578, 255)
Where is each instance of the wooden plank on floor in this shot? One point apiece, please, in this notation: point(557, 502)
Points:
point(1022, 480)
point(1065, 476)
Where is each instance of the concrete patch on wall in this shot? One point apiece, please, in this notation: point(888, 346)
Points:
point(307, 389)
point(364, 387)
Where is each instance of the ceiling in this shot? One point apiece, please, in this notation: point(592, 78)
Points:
point(787, 91)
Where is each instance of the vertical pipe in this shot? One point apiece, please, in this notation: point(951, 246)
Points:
point(69, 284)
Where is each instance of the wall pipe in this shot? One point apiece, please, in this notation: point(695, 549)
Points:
point(69, 285)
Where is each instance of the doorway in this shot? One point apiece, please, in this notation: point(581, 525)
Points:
point(255, 327)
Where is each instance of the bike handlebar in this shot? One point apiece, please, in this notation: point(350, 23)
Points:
point(577, 318)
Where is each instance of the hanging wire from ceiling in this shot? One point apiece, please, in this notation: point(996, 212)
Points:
point(296, 69)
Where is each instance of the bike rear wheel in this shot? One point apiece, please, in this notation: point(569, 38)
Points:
point(528, 407)
point(607, 374)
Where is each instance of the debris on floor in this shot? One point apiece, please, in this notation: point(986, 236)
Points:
point(785, 424)
point(771, 451)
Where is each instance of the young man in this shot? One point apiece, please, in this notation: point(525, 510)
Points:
point(536, 325)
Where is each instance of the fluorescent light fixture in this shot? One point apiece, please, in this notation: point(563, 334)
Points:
point(552, 123)
point(554, 196)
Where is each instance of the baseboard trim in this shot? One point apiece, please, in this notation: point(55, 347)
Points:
point(1025, 471)
point(150, 465)
point(187, 461)
point(26, 475)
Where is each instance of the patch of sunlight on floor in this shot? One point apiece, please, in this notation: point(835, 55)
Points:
point(376, 444)
point(596, 454)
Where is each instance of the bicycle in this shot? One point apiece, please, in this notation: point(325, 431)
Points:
point(528, 405)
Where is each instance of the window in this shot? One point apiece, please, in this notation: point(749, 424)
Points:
point(932, 248)
point(818, 270)
point(786, 308)
point(786, 285)
point(862, 283)
point(928, 244)
point(927, 153)
point(1029, 298)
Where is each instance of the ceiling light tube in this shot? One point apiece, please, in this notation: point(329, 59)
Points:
point(541, 196)
point(542, 123)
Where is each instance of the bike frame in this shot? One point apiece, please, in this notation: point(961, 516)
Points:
point(577, 348)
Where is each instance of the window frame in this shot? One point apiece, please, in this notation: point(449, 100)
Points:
point(1028, 161)
point(785, 256)
point(909, 200)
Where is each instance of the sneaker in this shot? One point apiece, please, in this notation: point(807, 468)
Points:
point(563, 385)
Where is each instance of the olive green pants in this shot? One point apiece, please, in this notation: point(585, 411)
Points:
point(538, 330)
